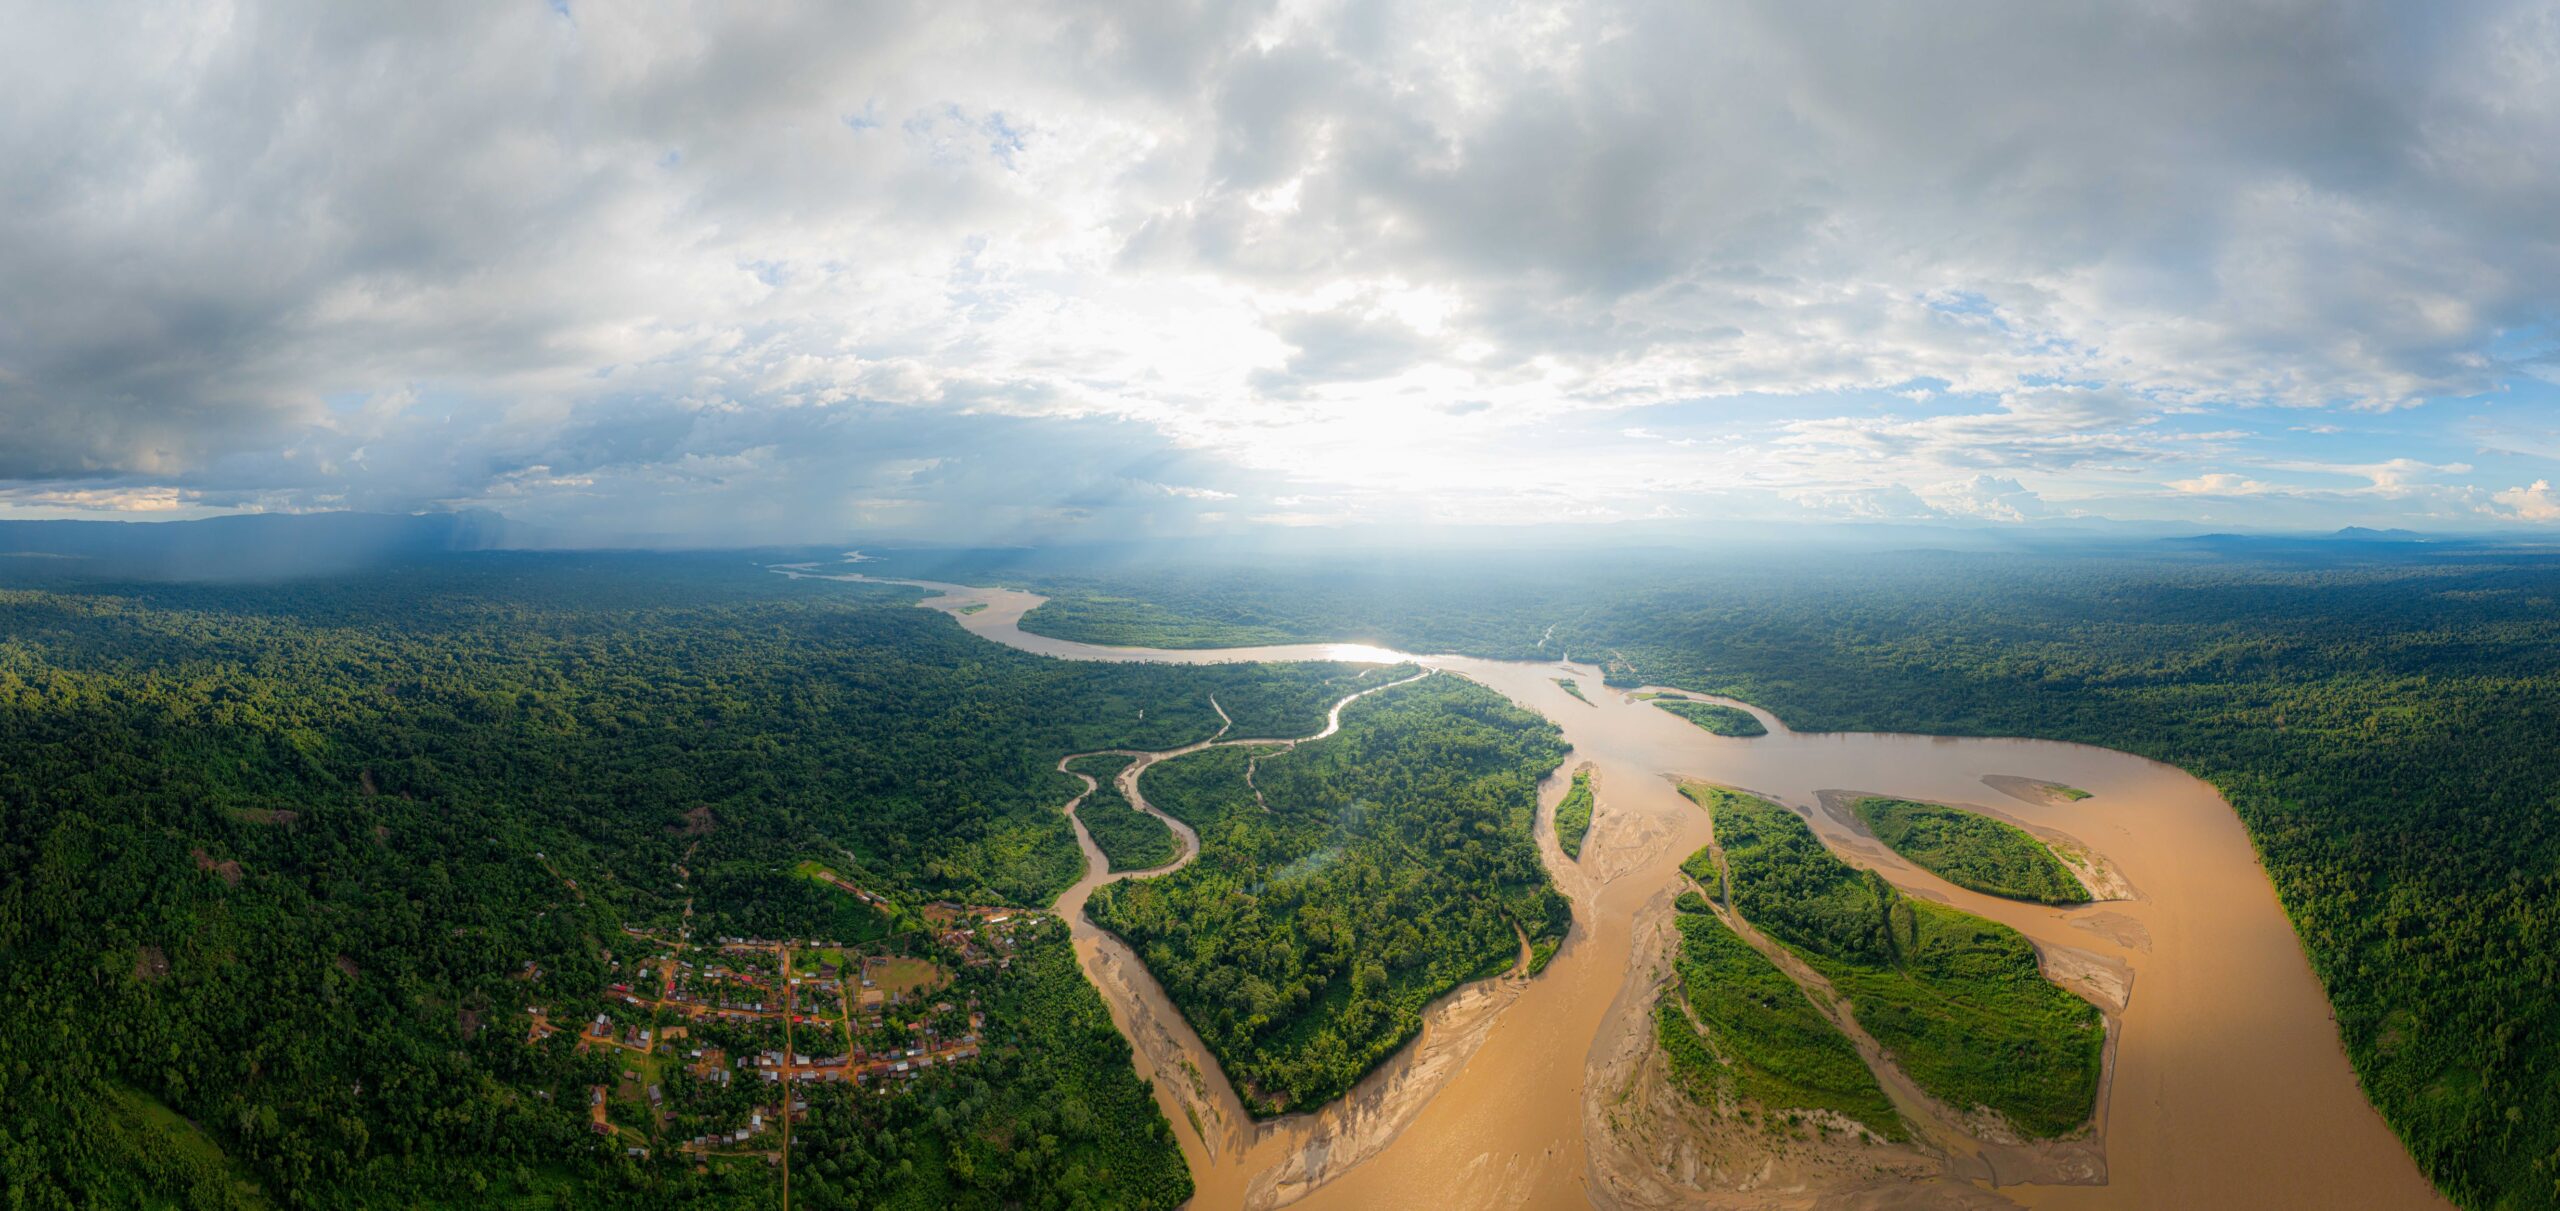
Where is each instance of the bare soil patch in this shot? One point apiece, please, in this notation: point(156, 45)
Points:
point(228, 868)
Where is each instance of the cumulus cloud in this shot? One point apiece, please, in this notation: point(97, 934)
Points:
point(828, 265)
point(2537, 502)
point(1988, 498)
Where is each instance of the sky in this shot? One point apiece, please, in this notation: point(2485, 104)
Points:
point(1022, 272)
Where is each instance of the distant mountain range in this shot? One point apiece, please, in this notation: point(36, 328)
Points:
point(2350, 534)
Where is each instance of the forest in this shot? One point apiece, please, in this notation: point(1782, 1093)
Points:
point(2379, 715)
point(1375, 870)
point(282, 865)
point(1129, 839)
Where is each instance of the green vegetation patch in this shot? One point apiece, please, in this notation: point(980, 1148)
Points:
point(1130, 622)
point(1769, 1043)
point(1573, 815)
point(748, 899)
point(1394, 862)
point(1572, 687)
point(1972, 850)
point(2073, 793)
point(1425, 603)
point(1702, 867)
point(161, 1159)
point(1722, 720)
point(1958, 1000)
point(1130, 839)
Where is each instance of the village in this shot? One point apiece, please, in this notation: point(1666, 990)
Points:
point(716, 1042)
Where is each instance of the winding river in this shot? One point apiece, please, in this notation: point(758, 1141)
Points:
point(2227, 1085)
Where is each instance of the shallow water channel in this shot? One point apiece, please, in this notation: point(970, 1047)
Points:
point(2227, 1084)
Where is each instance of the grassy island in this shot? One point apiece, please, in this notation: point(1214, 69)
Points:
point(1573, 816)
point(1722, 720)
point(1958, 1000)
point(1972, 850)
point(1701, 866)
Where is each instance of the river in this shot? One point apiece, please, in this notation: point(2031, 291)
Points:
point(2227, 1085)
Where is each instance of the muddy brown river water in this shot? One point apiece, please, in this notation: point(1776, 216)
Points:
point(2228, 1086)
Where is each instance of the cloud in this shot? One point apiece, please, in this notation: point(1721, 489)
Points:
point(1187, 492)
point(2535, 503)
point(2047, 429)
point(1887, 502)
point(804, 267)
point(1988, 498)
point(2395, 477)
point(116, 500)
point(2221, 483)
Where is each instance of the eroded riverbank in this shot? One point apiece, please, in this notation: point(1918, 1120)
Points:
point(2229, 1086)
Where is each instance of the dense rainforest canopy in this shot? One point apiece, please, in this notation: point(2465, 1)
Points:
point(282, 866)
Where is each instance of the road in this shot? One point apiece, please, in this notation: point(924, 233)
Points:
point(790, 1055)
